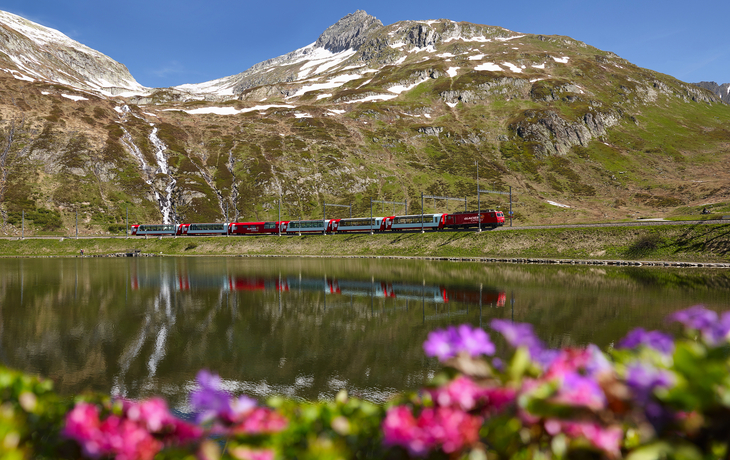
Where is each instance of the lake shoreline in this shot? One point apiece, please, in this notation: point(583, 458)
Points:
point(681, 245)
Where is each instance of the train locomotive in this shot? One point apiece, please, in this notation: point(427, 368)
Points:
point(466, 219)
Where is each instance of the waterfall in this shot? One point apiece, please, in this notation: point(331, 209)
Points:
point(166, 204)
point(164, 201)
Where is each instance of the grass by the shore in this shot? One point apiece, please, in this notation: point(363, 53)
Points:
point(687, 243)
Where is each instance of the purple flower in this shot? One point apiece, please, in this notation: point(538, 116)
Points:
point(522, 335)
point(447, 343)
point(653, 339)
point(210, 400)
point(719, 332)
point(441, 343)
point(644, 379)
point(714, 330)
point(578, 390)
point(697, 317)
point(474, 341)
point(597, 362)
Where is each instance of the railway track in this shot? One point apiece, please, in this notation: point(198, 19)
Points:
point(498, 229)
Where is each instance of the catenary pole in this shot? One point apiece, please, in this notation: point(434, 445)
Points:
point(479, 201)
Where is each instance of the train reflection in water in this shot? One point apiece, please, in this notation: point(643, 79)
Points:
point(428, 293)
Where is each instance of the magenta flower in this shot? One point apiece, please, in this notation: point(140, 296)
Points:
point(606, 439)
point(578, 390)
point(400, 428)
point(448, 343)
point(127, 440)
point(589, 361)
point(448, 428)
point(260, 420)
point(656, 340)
point(463, 393)
point(120, 437)
point(139, 433)
point(246, 453)
point(82, 425)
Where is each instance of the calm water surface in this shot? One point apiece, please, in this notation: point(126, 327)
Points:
point(304, 328)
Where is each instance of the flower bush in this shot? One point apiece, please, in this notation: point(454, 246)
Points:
point(650, 397)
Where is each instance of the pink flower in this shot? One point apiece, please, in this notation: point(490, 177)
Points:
point(138, 434)
point(152, 413)
point(465, 394)
point(577, 390)
point(607, 439)
point(246, 453)
point(82, 425)
point(451, 429)
point(127, 440)
point(261, 420)
point(400, 429)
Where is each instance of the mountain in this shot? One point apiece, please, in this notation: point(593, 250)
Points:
point(367, 111)
point(32, 52)
point(722, 91)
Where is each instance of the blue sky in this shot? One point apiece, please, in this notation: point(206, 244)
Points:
point(167, 43)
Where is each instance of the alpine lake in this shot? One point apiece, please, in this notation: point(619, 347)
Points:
point(306, 328)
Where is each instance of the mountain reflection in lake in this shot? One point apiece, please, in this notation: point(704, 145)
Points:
point(304, 328)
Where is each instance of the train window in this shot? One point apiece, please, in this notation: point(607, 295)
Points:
point(356, 222)
point(306, 224)
point(268, 225)
point(157, 228)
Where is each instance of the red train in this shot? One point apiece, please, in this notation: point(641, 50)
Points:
point(486, 219)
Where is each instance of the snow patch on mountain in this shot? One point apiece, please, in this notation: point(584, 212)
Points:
point(335, 82)
point(376, 97)
point(489, 66)
point(74, 98)
point(231, 110)
point(323, 59)
point(398, 89)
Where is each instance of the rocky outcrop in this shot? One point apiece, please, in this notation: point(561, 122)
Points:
point(349, 32)
point(505, 87)
point(722, 91)
point(551, 134)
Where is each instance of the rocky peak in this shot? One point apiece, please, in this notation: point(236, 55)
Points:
point(40, 53)
point(349, 32)
point(723, 91)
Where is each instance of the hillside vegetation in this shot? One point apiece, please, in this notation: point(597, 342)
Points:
point(555, 119)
